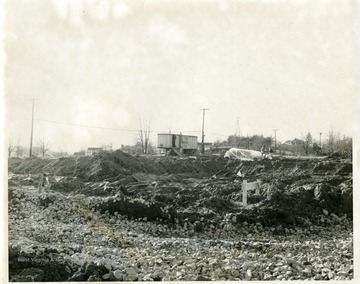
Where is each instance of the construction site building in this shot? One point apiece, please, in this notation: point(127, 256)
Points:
point(177, 143)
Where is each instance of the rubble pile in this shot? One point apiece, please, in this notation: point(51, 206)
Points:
point(162, 219)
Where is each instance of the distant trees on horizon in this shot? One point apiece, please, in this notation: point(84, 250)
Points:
point(334, 142)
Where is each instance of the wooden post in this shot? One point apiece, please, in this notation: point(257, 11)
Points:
point(41, 182)
point(257, 192)
point(244, 188)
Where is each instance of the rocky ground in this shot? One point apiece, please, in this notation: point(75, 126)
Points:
point(117, 217)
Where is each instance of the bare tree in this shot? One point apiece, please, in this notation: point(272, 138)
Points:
point(107, 147)
point(43, 146)
point(19, 149)
point(144, 134)
point(337, 144)
point(331, 142)
point(10, 148)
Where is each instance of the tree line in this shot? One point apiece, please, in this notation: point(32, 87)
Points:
point(334, 142)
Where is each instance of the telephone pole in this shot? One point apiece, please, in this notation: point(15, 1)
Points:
point(237, 131)
point(275, 139)
point(202, 132)
point(32, 127)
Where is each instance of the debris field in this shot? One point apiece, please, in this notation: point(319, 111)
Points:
point(117, 217)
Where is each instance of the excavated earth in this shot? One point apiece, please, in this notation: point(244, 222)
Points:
point(117, 217)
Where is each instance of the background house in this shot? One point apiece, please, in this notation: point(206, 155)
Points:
point(292, 147)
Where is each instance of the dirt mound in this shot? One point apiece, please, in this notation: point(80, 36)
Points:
point(113, 217)
point(293, 190)
point(117, 164)
point(131, 208)
point(114, 165)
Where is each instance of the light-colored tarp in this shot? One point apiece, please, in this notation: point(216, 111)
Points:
point(242, 154)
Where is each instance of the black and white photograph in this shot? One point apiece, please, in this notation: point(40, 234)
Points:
point(178, 141)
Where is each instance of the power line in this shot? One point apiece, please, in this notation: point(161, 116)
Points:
point(202, 132)
point(88, 126)
point(237, 130)
point(107, 128)
point(275, 139)
point(225, 135)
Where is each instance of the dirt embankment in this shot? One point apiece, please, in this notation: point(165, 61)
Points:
point(112, 165)
point(294, 191)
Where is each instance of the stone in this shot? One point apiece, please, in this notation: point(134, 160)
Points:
point(159, 261)
point(106, 276)
point(248, 274)
point(130, 277)
point(178, 274)
point(334, 216)
point(119, 275)
point(147, 277)
point(331, 275)
point(235, 272)
point(267, 276)
point(94, 278)
point(77, 276)
point(31, 275)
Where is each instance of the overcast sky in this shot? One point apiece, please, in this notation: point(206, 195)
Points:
point(287, 65)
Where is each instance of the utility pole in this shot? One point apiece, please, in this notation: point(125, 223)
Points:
point(237, 131)
point(320, 139)
point(237, 134)
point(275, 140)
point(202, 132)
point(32, 127)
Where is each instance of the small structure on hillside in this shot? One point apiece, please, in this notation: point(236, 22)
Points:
point(177, 144)
point(294, 142)
point(80, 153)
point(292, 147)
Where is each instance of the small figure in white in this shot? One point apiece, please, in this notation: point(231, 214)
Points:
point(262, 150)
point(44, 182)
point(41, 182)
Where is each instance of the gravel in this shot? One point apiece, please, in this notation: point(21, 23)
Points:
point(116, 248)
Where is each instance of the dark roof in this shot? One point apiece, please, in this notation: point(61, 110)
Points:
point(293, 142)
point(95, 148)
point(176, 134)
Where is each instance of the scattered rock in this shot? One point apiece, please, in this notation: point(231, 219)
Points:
point(155, 226)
